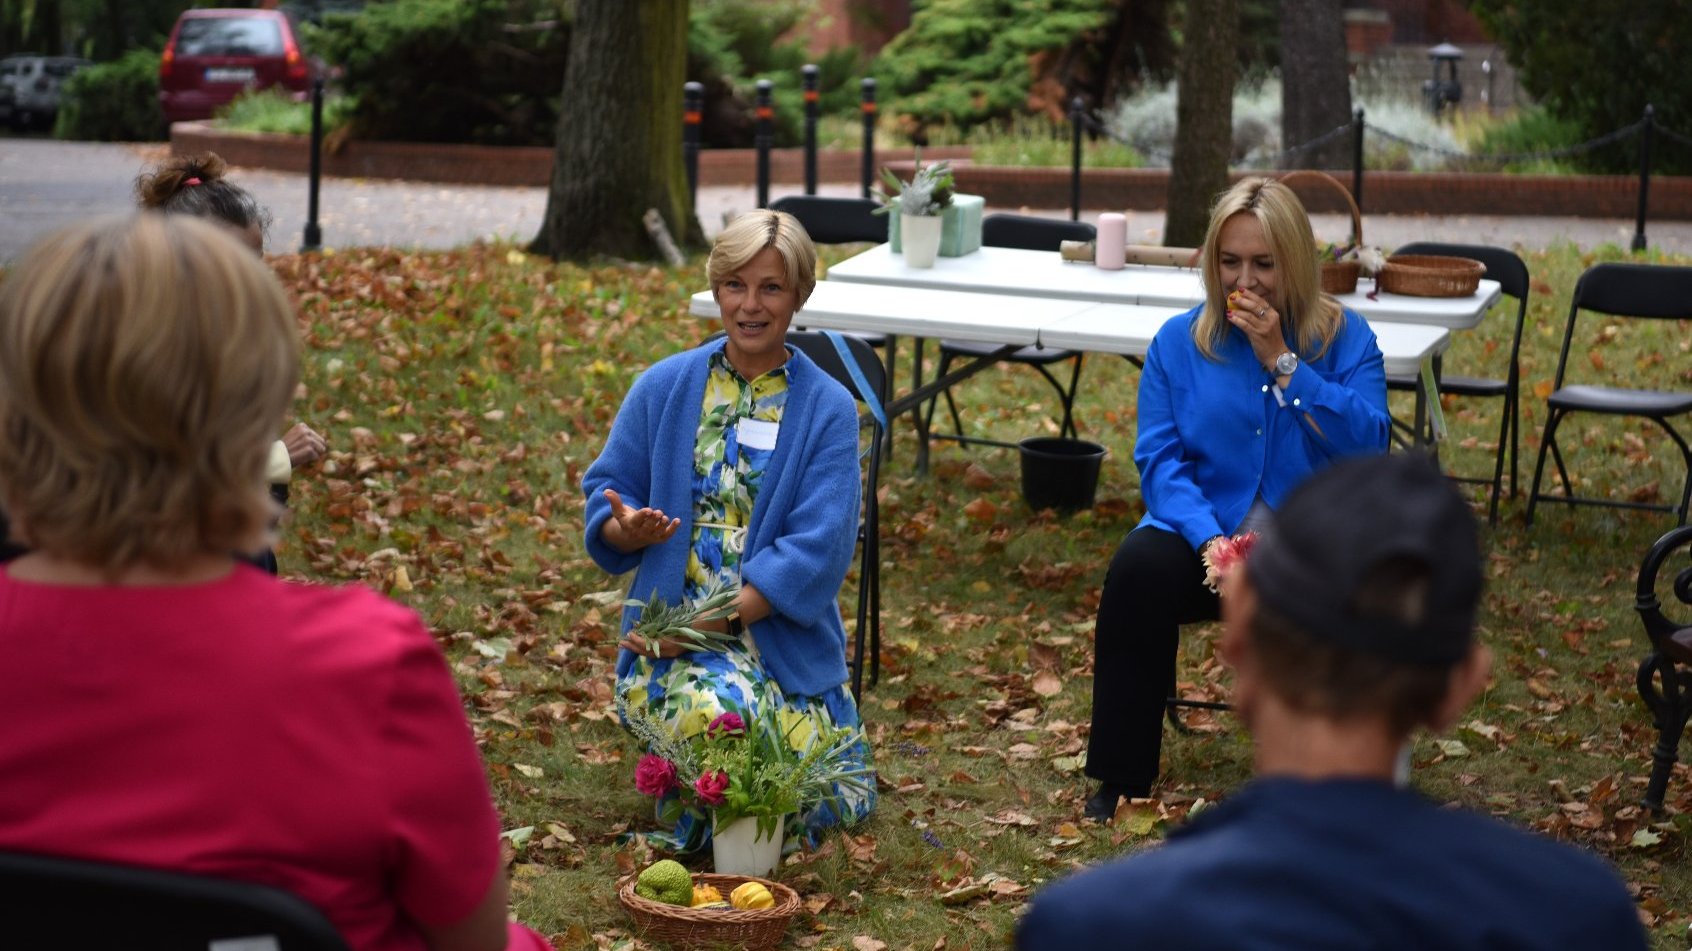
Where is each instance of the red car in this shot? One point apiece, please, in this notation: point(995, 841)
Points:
point(214, 55)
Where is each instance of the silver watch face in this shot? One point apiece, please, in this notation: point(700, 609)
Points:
point(1286, 363)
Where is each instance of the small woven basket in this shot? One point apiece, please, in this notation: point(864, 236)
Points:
point(1431, 275)
point(1338, 277)
point(755, 929)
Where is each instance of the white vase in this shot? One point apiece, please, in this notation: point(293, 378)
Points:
point(739, 849)
point(919, 238)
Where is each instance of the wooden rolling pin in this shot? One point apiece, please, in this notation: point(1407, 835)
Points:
point(1136, 254)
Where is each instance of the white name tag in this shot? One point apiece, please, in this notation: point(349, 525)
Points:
point(757, 433)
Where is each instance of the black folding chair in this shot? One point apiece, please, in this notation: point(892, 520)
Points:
point(1665, 675)
point(1031, 233)
point(1505, 267)
point(822, 351)
point(1646, 291)
point(146, 909)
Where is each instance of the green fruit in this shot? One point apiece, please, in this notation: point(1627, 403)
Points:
point(667, 881)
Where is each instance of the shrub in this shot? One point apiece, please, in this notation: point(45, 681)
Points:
point(272, 110)
point(485, 71)
point(114, 102)
point(731, 44)
point(1531, 130)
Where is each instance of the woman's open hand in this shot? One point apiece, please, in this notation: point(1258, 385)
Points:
point(631, 529)
point(1261, 323)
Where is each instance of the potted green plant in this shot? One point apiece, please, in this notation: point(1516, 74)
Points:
point(747, 771)
point(919, 202)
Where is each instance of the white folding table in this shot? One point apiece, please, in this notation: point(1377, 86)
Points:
point(1045, 274)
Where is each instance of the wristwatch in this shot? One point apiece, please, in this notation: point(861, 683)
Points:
point(735, 625)
point(1286, 363)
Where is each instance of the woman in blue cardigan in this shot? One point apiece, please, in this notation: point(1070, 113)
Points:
point(1241, 399)
point(736, 464)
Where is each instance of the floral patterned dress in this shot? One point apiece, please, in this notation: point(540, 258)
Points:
point(689, 691)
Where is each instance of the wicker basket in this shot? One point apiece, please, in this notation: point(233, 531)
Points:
point(755, 929)
point(1338, 277)
point(1431, 275)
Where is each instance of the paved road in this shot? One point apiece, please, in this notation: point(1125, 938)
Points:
point(45, 184)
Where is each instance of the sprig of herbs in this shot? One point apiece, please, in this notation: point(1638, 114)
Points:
point(928, 193)
point(660, 620)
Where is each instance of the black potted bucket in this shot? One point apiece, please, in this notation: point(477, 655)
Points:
point(1060, 474)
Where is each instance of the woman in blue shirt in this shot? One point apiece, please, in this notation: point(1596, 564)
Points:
point(1241, 399)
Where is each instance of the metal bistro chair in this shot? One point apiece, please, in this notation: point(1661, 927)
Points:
point(1652, 292)
point(1507, 268)
point(1665, 676)
point(147, 909)
point(1031, 233)
point(822, 351)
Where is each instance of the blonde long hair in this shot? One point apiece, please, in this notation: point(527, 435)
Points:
point(1314, 317)
point(145, 364)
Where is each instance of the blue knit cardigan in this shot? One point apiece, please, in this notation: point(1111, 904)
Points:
point(804, 523)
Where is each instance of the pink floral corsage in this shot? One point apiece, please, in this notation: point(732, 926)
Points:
point(1223, 555)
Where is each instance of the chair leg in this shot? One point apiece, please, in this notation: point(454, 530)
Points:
point(1670, 709)
point(951, 406)
point(1686, 458)
point(1498, 466)
point(1551, 422)
point(1515, 417)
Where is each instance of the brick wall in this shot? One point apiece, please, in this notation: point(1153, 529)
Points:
point(1592, 196)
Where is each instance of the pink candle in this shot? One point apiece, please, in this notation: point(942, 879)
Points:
point(1111, 248)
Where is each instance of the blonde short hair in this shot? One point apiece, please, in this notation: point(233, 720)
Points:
point(1313, 316)
point(146, 362)
point(754, 231)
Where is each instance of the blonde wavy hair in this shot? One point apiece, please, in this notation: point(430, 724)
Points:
point(1314, 317)
point(146, 362)
point(754, 231)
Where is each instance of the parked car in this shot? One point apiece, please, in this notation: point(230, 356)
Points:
point(215, 55)
point(30, 86)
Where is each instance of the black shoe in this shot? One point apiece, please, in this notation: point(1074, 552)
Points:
point(1102, 807)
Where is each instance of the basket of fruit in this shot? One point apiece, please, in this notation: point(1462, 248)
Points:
point(686, 910)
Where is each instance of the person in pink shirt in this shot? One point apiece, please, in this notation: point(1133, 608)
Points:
point(166, 704)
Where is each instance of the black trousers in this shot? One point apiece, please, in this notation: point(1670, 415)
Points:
point(1154, 585)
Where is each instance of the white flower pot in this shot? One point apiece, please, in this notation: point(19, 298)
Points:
point(919, 238)
point(738, 849)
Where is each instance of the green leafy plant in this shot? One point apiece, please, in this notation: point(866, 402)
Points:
point(114, 102)
point(661, 621)
point(764, 766)
point(929, 191)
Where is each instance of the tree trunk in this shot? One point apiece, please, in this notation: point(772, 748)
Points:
point(1204, 118)
point(1315, 86)
point(619, 149)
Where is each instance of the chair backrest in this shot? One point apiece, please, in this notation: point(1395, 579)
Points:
point(145, 909)
point(1032, 232)
point(1502, 265)
point(1649, 291)
point(821, 350)
point(835, 220)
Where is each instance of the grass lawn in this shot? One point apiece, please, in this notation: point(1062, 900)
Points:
point(463, 394)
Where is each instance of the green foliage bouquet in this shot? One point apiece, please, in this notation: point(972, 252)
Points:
point(929, 191)
point(764, 766)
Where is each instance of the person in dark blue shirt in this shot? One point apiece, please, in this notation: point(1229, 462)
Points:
point(1241, 399)
point(1349, 626)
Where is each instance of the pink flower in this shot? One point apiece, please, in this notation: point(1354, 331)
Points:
point(711, 787)
point(655, 775)
point(726, 724)
point(1224, 555)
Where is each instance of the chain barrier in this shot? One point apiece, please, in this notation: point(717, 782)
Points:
point(1673, 136)
point(1503, 158)
point(1282, 158)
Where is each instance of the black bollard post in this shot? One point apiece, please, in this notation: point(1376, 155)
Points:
point(1357, 164)
point(693, 109)
point(809, 74)
point(1645, 134)
point(1077, 114)
point(763, 137)
point(313, 233)
point(867, 104)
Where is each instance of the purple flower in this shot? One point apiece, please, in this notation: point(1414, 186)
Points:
point(655, 775)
